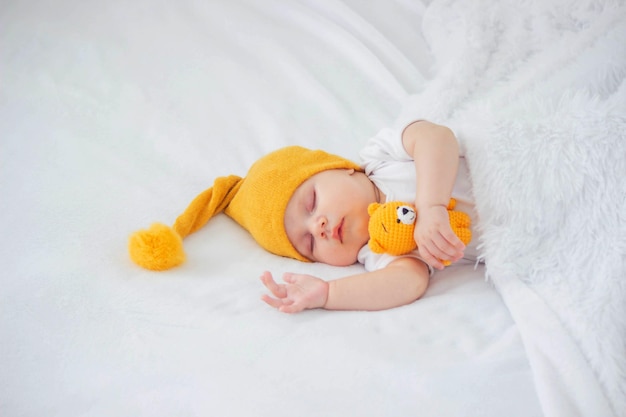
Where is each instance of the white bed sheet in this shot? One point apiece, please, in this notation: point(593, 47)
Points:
point(115, 114)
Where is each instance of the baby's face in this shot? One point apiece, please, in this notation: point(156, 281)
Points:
point(326, 217)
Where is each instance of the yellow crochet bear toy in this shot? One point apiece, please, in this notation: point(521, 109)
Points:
point(391, 227)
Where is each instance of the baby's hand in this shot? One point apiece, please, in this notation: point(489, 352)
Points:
point(435, 239)
point(299, 292)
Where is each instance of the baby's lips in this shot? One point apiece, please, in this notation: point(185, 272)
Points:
point(337, 232)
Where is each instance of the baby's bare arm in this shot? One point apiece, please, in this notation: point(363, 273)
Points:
point(435, 152)
point(403, 281)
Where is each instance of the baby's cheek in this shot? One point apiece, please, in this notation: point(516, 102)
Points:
point(342, 256)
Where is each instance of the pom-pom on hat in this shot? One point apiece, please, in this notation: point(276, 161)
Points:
point(257, 202)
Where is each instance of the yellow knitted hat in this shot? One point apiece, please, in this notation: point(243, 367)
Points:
point(257, 202)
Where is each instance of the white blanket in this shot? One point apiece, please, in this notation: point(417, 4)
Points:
point(537, 93)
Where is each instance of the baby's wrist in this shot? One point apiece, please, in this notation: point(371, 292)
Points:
point(326, 294)
point(429, 205)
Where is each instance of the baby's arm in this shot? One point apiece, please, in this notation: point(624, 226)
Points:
point(436, 154)
point(403, 281)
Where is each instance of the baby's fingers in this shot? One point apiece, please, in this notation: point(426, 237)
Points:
point(278, 290)
point(276, 303)
point(439, 250)
point(453, 241)
point(448, 251)
point(429, 258)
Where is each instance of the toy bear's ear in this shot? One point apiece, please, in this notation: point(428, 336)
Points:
point(372, 208)
point(375, 246)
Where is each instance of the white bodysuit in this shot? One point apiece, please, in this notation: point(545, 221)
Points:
point(392, 170)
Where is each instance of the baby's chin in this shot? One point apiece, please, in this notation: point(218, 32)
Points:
point(342, 263)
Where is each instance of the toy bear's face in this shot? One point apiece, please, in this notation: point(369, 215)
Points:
point(391, 228)
point(406, 215)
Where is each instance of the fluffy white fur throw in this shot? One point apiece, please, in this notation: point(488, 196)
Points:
point(536, 92)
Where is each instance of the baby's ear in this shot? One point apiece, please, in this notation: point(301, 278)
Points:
point(372, 208)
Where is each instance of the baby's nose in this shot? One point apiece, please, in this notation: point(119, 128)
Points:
point(321, 224)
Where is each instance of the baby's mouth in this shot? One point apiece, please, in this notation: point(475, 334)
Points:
point(338, 231)
point(341, 231)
